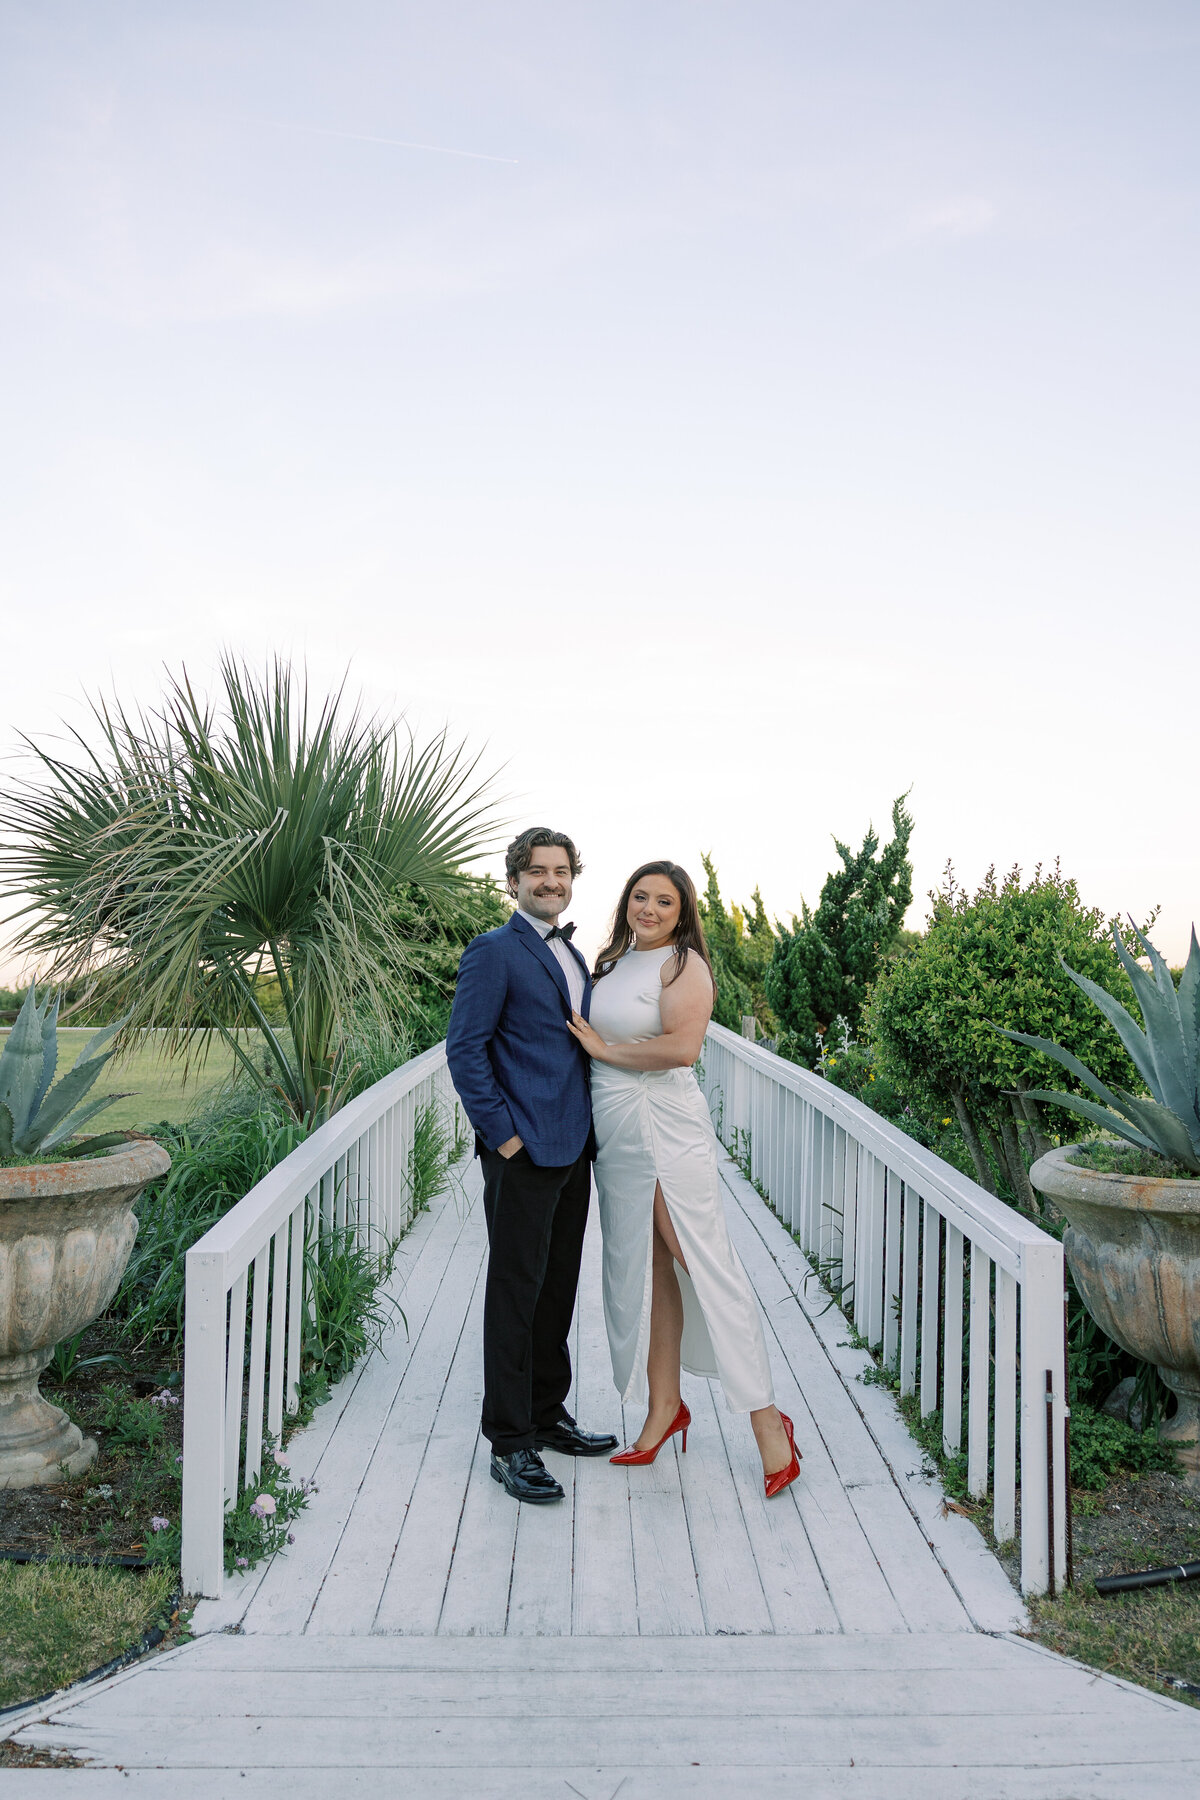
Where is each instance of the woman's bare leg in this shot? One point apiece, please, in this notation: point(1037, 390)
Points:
point(771, 1439)
point(666, 1329)
point(662, 1362)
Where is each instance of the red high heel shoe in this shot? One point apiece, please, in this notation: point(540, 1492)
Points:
point(784, 1477)
point(630, 1458)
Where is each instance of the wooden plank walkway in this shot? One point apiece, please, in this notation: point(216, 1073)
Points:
point(663, 1631)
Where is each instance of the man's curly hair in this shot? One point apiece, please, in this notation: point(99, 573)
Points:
point(519, 854)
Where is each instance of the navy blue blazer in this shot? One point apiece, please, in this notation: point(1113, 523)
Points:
point(517, 1069)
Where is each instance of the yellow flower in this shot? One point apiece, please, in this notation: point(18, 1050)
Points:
point(833, 1062)
point(945, 1121)
point(870, 1078)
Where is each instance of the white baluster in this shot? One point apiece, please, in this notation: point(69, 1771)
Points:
point(1004, 1453)
point(931, 1317)
point(909, 1311)
point(952, 1365)
point(979, 1373)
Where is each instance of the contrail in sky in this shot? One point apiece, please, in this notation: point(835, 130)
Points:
point(359, 137)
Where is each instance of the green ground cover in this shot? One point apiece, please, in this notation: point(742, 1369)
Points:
point(156, 1084)
point(58, 1622)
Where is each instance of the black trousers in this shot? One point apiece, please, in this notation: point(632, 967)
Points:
point(536, 1219)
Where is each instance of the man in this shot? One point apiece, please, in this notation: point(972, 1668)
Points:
point(524, 1083)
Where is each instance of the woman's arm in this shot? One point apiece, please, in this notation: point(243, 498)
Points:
point(686, 1008)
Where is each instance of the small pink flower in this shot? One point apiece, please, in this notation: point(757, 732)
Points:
point(241, 1562)
point(281, 1457)
point(158, 1523)
point(263, 1506)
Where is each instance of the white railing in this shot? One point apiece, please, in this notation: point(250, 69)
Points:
point(911, 1245)
point(353, 1174)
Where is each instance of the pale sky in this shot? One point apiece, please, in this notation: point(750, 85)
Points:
point(766, 408)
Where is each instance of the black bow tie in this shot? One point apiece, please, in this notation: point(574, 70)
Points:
point(566, 932)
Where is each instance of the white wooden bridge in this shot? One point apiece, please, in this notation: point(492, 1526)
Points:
point(664, 1632)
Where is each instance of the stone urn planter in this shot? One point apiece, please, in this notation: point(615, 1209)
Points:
point(1133, 1245)
point(66, 1231)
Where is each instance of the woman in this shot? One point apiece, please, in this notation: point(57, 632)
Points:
point(674, 1290)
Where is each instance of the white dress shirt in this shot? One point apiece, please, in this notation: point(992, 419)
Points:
point(566, 958)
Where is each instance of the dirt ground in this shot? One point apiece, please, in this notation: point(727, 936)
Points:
point(1137, 1522)
point(107, 1509)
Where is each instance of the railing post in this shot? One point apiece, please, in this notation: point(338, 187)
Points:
point(204, 1424)
point(1041, 1354)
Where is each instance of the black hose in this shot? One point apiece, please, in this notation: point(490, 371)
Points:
point(114, 1560)
point(1124, 1584)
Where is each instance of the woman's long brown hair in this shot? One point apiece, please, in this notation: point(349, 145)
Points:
point(689, 933)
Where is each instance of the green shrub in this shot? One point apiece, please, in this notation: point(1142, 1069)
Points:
point(215, 1161)
point(741, 941)
point(993, 958)
point(434, 928)
point(1102, 1447)
point(821, 969)
point(853, 1067)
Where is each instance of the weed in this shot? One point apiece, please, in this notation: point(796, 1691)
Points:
point(257, 1525)
point(927, 1432)
point(741, 1150)
point(349, 1310)
point(1113, 1158)
point(129, 1422)
point(66, 1362)
point(429, 1155)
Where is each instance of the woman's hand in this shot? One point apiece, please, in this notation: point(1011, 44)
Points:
point(583, 1034)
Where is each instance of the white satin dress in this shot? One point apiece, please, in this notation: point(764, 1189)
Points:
point(655, 1127)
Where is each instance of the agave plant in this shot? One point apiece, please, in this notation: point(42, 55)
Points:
point(36, 1116)
point(183, 855)
point(1166, 1055)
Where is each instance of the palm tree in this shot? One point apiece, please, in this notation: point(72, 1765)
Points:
point(181, 854)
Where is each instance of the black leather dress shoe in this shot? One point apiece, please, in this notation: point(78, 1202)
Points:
point(526, 1477)
point(568, 1440)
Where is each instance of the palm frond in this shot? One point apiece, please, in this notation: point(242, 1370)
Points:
point(179, 851)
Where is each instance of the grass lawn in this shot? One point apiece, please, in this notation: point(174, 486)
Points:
point(1145, 1521)
point(58, 1622)
point(154, 1083)
point(1142, 1636)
